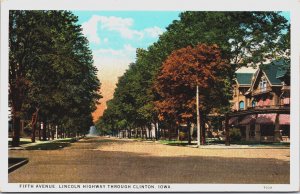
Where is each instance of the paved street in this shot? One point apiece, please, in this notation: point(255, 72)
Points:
point(110, 160)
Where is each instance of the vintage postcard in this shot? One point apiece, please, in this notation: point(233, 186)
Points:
point(140, 96)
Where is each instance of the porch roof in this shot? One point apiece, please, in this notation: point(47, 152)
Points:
point(266, 118)
point(284, 119)
point(233, 120)
point(248, 119)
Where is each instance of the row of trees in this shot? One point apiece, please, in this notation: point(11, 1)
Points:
point(200, 49)
point(51, 74)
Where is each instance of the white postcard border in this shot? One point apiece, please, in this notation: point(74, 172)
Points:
point(166, 5)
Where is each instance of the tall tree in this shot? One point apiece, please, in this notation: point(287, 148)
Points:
point(50, 55)
point(185, 69)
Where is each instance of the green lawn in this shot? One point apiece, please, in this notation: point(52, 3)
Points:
point(53, 145)
point(212, 141)
point(22, 141)
point(175, 142)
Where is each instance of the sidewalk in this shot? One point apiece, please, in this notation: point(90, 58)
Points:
point(235, 146)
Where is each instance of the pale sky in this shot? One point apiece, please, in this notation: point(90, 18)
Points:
point(114, 37)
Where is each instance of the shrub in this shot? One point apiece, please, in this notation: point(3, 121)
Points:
point(235, 134)
point(209, 134)
point(181, 136)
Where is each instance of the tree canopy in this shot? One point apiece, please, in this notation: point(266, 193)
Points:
point(51, 70)
point(243, 39)
point(185, 69)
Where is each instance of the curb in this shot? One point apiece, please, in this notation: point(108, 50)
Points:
point(228, 147)
point(17, 165)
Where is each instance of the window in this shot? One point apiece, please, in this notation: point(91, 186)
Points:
point(253, 103)
point(263, 84)
point(241, 105)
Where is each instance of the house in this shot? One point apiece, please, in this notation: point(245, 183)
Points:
point(261, 103)
point(240, 88)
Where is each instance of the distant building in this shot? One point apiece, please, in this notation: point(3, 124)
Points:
point(261, 103)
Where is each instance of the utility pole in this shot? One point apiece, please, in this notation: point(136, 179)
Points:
point(227, 141)
point(198, 118)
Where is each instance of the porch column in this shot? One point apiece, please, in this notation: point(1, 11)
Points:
point(277, 135)
point(247, 132)
point(257, 132)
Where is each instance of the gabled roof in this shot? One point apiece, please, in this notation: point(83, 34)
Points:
point(244, 78)
point(275, 70)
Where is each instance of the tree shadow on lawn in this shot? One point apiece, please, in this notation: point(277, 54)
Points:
point(179, 144)
point(49, 146)
point(53, 145)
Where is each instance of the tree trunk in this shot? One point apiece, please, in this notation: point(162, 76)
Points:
point(189, 132)
point(170, 131)
point(40, 132)
point(52, 134)
point(44, 131)
point(178, 132)
point(49, 132)
point(156, 131)
point(33, 133)
point(129, 133)
point(150, 131)
point(145, 132)
point(16, 131)
point(56, 135)
point(34, 120)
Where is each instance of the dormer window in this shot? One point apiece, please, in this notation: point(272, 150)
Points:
point(263, 84)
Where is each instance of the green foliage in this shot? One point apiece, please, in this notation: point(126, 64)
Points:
point(51, 69)
point(181, 135)
point(235, 134)
point(244, 38)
